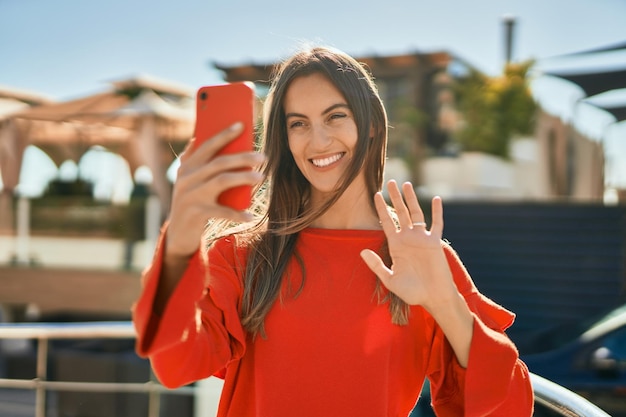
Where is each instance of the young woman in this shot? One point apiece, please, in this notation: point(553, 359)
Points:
point(323, 301)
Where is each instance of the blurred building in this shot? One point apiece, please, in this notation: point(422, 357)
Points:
point(573, 162)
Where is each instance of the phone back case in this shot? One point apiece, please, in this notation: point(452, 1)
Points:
point(218, 107)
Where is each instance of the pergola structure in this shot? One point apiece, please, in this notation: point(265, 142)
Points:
point(597, 81)
point(145, 120)
point(12, 101)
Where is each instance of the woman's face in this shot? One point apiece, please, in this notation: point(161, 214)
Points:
point(321, 131)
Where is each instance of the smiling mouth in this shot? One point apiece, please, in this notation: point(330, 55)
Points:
point(324, 162)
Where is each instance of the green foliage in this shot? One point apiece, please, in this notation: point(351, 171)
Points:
point(72, 188)
point(404, 121)
point(406, 113)
point(495, 109)
point(77, 215)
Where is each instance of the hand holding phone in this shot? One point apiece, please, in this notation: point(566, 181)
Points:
point(217, 108)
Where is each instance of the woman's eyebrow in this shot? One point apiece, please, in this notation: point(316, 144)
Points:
point(326, 111)
point(292, 114)
point(336, 106)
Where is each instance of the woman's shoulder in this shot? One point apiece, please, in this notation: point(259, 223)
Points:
point(232, 248)
point(232, 242)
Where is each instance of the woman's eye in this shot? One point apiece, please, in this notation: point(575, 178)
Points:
point(295, 124)
point(336, 116)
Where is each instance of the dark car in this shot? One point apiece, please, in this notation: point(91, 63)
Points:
point(588, 358)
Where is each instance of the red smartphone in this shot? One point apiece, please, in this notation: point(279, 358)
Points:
point(217, 108)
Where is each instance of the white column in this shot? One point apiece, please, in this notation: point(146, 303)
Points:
point(207, 397)
point(152, 226)
point(22, 242)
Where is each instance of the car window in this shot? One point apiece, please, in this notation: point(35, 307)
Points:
point(616, 343)
point(557, 336)
point(607, 354)
point(614, 348)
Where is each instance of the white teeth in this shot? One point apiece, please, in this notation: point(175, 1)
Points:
point(320, 163)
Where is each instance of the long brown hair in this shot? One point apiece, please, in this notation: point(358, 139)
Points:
point(286, 193)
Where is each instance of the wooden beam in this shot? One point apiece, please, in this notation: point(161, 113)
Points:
point(69, 290)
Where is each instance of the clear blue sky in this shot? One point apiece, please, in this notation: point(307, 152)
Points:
point(65, 48)
point(70, 48)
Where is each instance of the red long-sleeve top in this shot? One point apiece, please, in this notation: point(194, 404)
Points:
point(332, 350)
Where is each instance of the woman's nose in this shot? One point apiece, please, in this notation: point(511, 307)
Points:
point(320, 137)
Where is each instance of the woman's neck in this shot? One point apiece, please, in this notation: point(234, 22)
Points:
point(353, 210)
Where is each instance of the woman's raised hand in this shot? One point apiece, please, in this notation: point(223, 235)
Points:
point(202, 177)
point(419, 273)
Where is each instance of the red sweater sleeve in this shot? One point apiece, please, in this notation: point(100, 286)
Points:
point(496, 381)
point(199, 332)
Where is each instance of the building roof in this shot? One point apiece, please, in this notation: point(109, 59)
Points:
point(24, 96)
point(261, 72)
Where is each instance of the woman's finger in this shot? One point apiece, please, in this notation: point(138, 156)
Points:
point(237, 161)
point(404, 217)
point(376, 264)
point(412, 203)
point(437, 216)
point(202, 149)
point(241, 162)
point(232, 179)
point(386, 221)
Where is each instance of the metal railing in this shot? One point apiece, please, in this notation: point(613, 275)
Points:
point(44, 332)
point(563, 401)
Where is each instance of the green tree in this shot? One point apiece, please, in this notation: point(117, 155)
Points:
point(495, 109)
